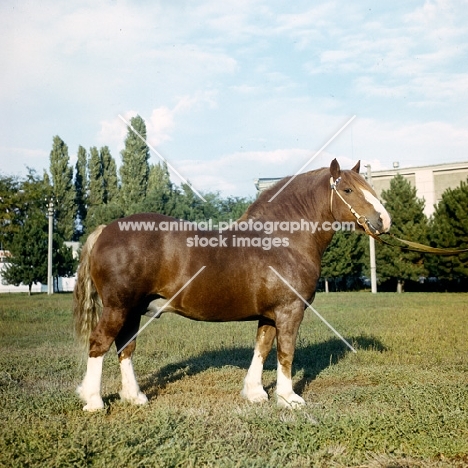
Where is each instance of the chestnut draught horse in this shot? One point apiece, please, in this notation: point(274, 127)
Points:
point(231, 275)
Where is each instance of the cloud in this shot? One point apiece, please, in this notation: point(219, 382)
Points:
point(161, 123)
point(413, 54)
point(246, 89)
point(227, 173)
point(423, 90)
point(23, 158)
point(197, 61)
point(307, 27)
point(411, 144)
point(114, 131)
point(82, 51)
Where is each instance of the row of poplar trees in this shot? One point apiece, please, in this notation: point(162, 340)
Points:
point(346, 262)
point(93, 192)
point(100, 196)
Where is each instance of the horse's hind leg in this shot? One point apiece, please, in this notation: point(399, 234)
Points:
point(126, 339)
point(102, 337)
point(253, 388)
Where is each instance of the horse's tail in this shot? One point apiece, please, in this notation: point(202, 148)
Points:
point(87, 304)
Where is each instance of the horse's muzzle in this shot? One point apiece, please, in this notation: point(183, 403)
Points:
point(379, 225)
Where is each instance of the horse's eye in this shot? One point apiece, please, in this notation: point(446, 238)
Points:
point(348, 190)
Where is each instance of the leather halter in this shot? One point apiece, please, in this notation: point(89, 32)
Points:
point(362, 220)
point(373, 232)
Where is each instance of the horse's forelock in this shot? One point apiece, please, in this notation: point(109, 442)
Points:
point(357, 180)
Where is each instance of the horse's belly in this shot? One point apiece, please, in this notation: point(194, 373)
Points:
point(210, 308)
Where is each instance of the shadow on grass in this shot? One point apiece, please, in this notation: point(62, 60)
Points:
point(310, 359)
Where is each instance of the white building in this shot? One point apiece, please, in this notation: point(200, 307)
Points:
point(430, 181)
point(64, 284)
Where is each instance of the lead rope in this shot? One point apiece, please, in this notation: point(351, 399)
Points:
point(366, 225)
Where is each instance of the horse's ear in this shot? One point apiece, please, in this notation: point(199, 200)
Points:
point(335, 170)
point(357, 167)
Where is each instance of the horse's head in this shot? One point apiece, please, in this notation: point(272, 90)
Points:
point(353, 199)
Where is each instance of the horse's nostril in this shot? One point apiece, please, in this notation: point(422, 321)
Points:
point(383, 224)
point(378, 225)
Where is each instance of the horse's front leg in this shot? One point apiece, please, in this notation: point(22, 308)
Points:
point(287, 326)
point(253, 388)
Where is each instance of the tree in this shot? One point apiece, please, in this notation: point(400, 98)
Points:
point(191, 207)
point(109, 176)
point(101, 214)
point(134, 171)
point(96, 190)
point(103, 197)
point(161, 196)
point(28, 264)
point(449, 229)
point(408, 222)
point(96, 185)
point(81, 191)
point(9, 208)
point(63, 263)
point(29, 245)
point(343, 257)
point(232, 207)
point(62, 189)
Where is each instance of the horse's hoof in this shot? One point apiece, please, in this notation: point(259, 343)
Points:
point(94, 404)
point(92, 407)
point(139, 399)
point(258, 396)
point(291, 401)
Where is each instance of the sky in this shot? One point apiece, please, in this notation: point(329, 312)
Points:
point(234, 91)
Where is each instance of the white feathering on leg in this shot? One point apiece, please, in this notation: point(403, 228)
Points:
point(286, 398)
point(253, 388)
point(130, 390)
point(90, 389)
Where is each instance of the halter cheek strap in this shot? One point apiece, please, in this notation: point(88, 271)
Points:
point(333, 184)
point(361, 220)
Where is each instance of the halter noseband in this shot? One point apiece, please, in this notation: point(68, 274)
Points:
point(361, 220)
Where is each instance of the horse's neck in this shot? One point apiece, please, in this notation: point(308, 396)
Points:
point(308, 207)
point(301, 199)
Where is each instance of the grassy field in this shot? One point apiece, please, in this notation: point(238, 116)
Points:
point(401, 401)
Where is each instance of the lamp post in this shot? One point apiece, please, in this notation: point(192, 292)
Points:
point(50, 279)
point(373, 268)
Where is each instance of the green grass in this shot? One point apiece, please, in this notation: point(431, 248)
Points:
point(401, 401)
